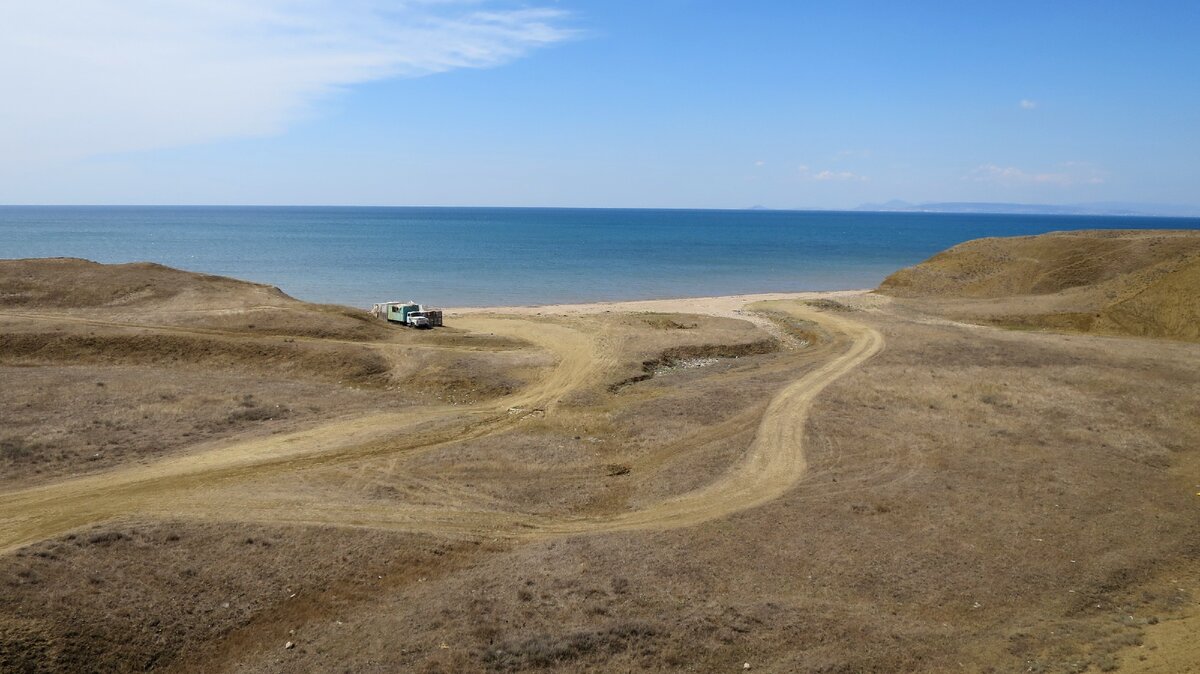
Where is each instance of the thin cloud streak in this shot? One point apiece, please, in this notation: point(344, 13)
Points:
point(1071, 174)
point(89, 77)
point(826, 175)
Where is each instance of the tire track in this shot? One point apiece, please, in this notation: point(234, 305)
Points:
point(183, 487)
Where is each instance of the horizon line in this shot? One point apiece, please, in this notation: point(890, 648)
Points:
point(915, 209)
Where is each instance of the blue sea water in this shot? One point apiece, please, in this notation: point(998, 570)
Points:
point(501, 256)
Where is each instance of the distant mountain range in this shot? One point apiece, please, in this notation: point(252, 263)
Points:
point(1095, 208)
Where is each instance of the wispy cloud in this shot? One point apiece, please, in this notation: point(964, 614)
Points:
point(852, 154)
point(837, 175)
point(93, 76)
point(1068, 174)
point(1027, 104)
point(807, 173)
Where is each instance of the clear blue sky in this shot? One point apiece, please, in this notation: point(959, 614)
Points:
point(613, 103)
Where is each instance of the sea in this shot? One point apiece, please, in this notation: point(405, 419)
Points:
point(454, 257)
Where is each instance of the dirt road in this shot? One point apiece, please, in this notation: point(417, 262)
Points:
point(187, 486)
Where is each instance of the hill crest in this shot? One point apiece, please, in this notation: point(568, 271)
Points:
point(1144, 282)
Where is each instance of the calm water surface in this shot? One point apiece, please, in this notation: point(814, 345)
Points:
point(498, 256)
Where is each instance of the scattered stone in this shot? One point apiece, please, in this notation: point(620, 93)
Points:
point(615, 469)
point(685, 364)
point(289, 646)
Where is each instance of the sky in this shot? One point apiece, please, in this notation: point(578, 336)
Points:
point(598, 103)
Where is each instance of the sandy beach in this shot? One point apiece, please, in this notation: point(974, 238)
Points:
point(723, 305)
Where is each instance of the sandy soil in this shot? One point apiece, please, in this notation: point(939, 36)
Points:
point(726, 305)
point(771, 465)
point(819, 482)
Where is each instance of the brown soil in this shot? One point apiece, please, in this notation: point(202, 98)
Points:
point(151, 294)
point(1108, 282)
point(68, 419)
point(846, 485)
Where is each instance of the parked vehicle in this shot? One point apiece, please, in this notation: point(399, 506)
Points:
point(404, 313)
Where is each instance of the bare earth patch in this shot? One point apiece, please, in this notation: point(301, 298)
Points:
point(841, 483)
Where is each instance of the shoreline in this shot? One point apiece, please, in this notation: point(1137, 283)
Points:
point(716, 305)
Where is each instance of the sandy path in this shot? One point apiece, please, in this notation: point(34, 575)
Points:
point(773, 464)
point(775, 461)
point(182, 486)
point(37, 513)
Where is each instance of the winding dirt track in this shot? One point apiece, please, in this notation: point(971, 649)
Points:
point(195, 485)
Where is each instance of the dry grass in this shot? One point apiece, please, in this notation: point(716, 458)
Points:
point(134, 598)
point(62, 420)
point(119, 346)
point(1009, 521)
point(151, 294)
point(106, 364)
point(1012, 520)
point(976, 499)
point(1113, 282)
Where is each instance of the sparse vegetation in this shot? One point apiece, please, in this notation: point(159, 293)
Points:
point(672, 357)
point(1111, 282)
point(546, 650)
point(15, 448)
point(805, 332)
point(664, 322)
point(975, 499)
point(825, 304)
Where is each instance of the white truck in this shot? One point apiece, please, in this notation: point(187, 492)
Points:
point(409, 314)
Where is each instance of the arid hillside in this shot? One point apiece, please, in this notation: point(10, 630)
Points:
point(203, 475)
point(71, 283)
point(1108, 282)
point(152, 294)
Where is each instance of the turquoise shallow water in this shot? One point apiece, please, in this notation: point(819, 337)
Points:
point(498, 256)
